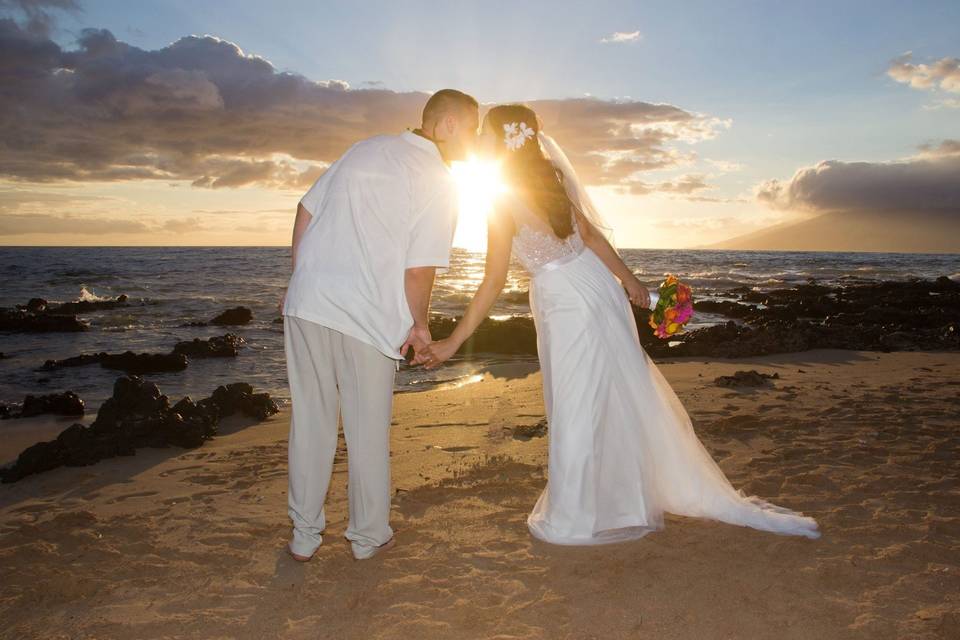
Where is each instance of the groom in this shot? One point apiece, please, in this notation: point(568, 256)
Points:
point(367, 240)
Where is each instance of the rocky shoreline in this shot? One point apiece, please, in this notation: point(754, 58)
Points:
point(917, 315)
point(139, 415)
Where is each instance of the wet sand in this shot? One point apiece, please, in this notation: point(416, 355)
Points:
point(177, 543)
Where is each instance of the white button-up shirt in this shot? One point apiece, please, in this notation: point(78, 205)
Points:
point(388, 204)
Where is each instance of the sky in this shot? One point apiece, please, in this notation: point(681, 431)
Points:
point(202, 122)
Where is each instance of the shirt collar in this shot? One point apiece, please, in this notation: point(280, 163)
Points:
point(423, 143)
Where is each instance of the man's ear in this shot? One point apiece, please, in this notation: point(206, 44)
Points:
point(450, 124)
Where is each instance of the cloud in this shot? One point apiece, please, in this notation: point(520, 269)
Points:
point(946, 149)
point(684, 185)
point(13, 224)
point(621, 36)
point(943, 103)
point(927, 182)
point(183, 225)
point(726, 166)
point(702, 223)
point(611, 142)
point(202, 110)
point(943, 73)
point(39, 21)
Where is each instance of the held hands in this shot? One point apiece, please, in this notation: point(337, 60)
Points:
point(436, 353)
point(419, 338)
point(638, 294)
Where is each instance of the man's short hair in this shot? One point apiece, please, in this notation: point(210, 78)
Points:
point(444, 101)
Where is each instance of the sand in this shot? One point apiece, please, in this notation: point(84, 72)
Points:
point(177, 543)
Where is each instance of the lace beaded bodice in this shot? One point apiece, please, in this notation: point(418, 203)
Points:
point(535, 244)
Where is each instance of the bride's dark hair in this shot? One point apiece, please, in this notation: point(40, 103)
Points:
point(527, 168)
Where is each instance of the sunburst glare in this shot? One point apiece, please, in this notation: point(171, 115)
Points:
point(479, 183)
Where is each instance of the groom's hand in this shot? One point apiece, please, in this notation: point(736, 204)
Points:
point(418, 338)
point(438, 352)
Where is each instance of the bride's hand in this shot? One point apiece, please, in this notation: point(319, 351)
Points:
point(438, 352)
point(638, 294)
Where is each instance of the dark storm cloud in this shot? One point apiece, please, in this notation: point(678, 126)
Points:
point(927, 182)
point(36, 13)
point(202, 110)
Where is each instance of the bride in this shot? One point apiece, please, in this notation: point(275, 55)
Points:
point(622, 448)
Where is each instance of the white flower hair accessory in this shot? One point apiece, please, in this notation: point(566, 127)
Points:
point(515, 135)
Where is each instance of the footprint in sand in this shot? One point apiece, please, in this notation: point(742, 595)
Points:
point(169, 472)
point(127, 496)
point(452, 449)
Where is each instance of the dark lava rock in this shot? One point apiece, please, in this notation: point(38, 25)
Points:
point(260, 406)
point(746, 379)
point(235, 316)
point(145, 362)
point(239, 397)
point(138, 363)
point(127, 361)
point(516, 335)
point(725, 308)
point(74, 361)
point(225, 346)
point(37, 458)
point(916, 315)
point(64, 404)
point(883, 316)
point(528, 431)
point(23, 321)
point(8, 410)
point(86, 306)
point(138, 415)
point(39, 316)
point(190, 424)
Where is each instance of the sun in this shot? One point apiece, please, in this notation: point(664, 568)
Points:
point(479, 183)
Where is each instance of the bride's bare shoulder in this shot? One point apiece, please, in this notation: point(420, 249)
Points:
point(501, 214)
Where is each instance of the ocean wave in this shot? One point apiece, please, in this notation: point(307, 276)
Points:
point(88, 296)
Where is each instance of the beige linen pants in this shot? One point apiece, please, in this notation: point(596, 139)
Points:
point(331, 373)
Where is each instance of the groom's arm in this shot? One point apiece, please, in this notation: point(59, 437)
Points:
point(299, 226)
point(418, 284)
point(431, 234)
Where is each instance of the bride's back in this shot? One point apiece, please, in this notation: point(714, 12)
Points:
point(534, 242)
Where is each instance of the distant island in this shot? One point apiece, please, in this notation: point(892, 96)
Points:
point(908, 232)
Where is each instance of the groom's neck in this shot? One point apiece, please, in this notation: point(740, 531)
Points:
point(441, 145)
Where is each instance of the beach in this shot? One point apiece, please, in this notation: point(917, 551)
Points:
point(189, 543)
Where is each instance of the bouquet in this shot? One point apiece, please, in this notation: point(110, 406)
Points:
point(672, 307)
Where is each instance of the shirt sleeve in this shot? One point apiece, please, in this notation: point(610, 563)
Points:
point(312, 200)
point(431, 233)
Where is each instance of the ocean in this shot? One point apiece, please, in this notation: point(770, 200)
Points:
point(171, 286)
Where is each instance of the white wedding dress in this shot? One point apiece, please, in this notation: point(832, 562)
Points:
point(622, 448)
